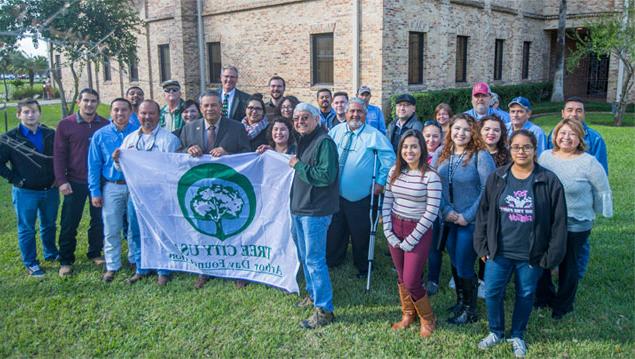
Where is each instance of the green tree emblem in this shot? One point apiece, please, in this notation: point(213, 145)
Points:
point(216, 200)
point(215, 203)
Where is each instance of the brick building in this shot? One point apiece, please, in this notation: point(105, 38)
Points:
point(391, 45)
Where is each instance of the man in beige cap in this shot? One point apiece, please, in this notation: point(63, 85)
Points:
point(171, 113)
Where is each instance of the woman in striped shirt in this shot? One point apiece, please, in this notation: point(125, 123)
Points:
point(411, 205)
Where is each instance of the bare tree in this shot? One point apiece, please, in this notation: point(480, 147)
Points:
point(557, 94)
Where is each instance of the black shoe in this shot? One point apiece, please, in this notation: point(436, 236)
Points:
point(361, 275)
point(460, 297)
point(466, 316)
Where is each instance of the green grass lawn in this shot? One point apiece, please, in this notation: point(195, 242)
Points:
point(83, 317)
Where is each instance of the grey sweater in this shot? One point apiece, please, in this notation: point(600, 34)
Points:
point(586, 188)
point(468, 183)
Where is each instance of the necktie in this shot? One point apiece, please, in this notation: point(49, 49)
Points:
point(225, 105)
point(211, 138)
point(345, 151)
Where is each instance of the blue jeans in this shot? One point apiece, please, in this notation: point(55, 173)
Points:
point(583, 258)
point(461, 249)
point(498, 272)
point(134, 243)
point(116, 199)
point(309, 235)
point(30, 204)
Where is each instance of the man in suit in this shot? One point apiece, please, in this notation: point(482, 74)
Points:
point(233, 101)
point(216, 135)
point(213, 134)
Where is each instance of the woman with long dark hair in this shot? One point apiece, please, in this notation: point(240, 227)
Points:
point(494, 133)
point(521, 228)
point(463, 165)
point(280, 137)
point(411, 204)
point(286, 107)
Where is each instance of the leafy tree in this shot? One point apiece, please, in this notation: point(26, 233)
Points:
point(82, 31)
point(610, 36)
point(215, 203)
point(23, 64)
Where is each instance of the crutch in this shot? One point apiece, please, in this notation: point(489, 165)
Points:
point(374, 219)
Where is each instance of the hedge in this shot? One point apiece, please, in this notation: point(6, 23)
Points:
point(460, 99)
point(28, 92)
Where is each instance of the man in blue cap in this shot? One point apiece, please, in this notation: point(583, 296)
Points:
point(519, 114)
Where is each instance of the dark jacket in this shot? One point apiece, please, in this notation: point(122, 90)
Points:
point(231, 136)
point(548, 241)
point(23, 172)
point(239, 104)
point(394, 133)
point(314, 191)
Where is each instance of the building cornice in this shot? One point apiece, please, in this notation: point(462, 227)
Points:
point(255, 5)
point(470, 3)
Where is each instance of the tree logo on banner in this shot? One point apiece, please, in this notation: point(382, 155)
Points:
point(216, 200)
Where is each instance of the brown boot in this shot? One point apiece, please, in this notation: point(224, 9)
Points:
point(408, 314)
point(426, 317)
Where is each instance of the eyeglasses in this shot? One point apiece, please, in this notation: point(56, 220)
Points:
point(525, 148)
point(286, 107)
point(171, 89)
point(253, 108)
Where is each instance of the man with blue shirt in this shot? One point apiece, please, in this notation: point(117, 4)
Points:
point(149, 137)
point(595, 145)
point(327, 114)
point(519, 113)
point(481, 99)
point(28, 149)
point(357, 145)
point(135, 95)
point(107, 185)
point(374, 117)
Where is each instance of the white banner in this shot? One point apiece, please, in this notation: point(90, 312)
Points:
point(225, 217)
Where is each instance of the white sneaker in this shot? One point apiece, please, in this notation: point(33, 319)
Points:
point(519, 347)
point(481, 289)
point(489, 341)
point(451, 283)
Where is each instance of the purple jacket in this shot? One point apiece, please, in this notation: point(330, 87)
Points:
point(72, 139)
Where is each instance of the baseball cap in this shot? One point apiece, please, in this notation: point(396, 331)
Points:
point(363, 89)
point(522, 102)
point(406, 98)
point(480, 88)
point(170, 83)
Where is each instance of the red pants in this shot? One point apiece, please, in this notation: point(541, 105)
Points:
point(410, 265)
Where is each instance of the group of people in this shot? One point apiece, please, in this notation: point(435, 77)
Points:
point(485, 185)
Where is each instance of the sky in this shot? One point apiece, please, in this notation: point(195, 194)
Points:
point(27, 46)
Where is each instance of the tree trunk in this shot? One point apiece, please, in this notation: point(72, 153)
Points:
point(75, 87)
point(557, 94)
point(58, 67)
point(626, 89)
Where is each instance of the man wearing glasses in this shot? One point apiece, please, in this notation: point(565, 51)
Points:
point(152, 138)
point(233, 101)
point(172, 112)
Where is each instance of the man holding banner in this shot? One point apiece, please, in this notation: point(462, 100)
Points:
point(151, 138)
point(314, 200)
point(107, 184)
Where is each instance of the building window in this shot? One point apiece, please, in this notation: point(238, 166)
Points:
point(498, 59)
point(106, 65)
point(525, 67)
point(322, 59)
point(133, 70)
point(415, 57)
point(164, 62)
point(461, 59)
point(214, 62)
point(58, 67)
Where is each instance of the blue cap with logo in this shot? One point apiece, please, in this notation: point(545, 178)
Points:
point(522, 102)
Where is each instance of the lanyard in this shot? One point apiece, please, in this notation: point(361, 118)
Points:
point(452, 167)
point(144, 145)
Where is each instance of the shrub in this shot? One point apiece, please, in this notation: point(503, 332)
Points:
point(28, 92)
point(461, 99)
